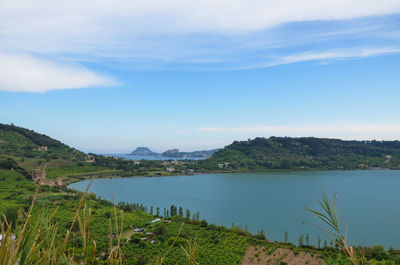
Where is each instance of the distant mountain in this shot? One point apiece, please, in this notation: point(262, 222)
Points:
point(144, 151)
point(174, 153)
point(306, 152)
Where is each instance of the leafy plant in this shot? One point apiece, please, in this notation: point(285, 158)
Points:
point(330, 215)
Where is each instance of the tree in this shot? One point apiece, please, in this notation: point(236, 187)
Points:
point(261, 235)
point(307, 239)
point(319, 242)
point(378, 252)
point(158, 211)
point(286, 236)
point(173, 210)
point(187, 214)
point(301, 240)
point(151, 210)
point(180, 211)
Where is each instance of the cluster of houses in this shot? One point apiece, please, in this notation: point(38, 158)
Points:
point(39, 177)
point(174, 162)
point(148, 235)
point(89, 159)
point(170, 169)
point(223, 165)
point(42, 148)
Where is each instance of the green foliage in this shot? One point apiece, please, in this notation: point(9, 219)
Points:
point(197, 241)
point(301, 240)
point(305, 153)
point(78, 171)
point(23, 146)
point(15, 190)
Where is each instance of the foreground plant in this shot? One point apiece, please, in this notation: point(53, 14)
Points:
point(330, 215)
point(38, 239)
point(191, 251)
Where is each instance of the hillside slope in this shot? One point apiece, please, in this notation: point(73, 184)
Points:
point(31, 149)
point(292, 153)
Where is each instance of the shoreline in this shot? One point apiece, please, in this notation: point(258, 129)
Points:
point(72, 180)
point(360, 173)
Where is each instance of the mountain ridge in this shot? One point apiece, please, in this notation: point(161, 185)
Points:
point(307, 152)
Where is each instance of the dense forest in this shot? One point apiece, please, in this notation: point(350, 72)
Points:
point(305, 153)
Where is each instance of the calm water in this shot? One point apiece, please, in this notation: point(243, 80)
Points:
point(134, 157)
point(370, 200)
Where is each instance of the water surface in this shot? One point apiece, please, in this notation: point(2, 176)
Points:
point(370, 200)
point(135, 157)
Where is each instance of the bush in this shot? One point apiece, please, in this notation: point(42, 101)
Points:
point(203, 223)
point(179, 241)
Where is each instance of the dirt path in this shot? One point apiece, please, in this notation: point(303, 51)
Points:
point(280, 256)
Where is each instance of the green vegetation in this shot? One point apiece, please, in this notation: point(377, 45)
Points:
point(54, 214)
point(304, 153)
point(69, 227)
point(30, 149)
point(336, 232)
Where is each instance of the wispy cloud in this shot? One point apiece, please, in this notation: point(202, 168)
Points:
point(338, 54)
point(213, 34)
point(22, 73)
point(344, 131)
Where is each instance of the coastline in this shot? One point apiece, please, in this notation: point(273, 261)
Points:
point(70, 180)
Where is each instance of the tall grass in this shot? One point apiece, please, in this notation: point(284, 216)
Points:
point(38, 240)
point(330, 216)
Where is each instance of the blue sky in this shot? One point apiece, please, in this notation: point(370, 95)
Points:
point(109, 76)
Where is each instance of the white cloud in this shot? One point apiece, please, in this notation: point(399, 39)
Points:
point(310, 56)
point(354, 53)
point(78, 18)
point(343, 131)
point(157, 33)
point(23, 73)
point(106, 27)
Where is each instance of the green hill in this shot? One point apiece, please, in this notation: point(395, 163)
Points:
point(30, 149)
point(97, 228)
point(307, 152)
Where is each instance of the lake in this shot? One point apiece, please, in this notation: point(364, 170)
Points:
point(369, 200)
point(135, 157)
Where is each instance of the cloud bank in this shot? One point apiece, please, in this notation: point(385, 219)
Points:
point(153, 29)
point(22, 73)
point(182, 34)
point(76, 18)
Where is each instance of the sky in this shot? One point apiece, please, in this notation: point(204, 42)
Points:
point(107, 76)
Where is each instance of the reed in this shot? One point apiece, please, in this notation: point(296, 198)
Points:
point(38, 240)
point(330, 216)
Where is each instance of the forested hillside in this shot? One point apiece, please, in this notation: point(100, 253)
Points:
point(30, 149)
point(310, 152)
